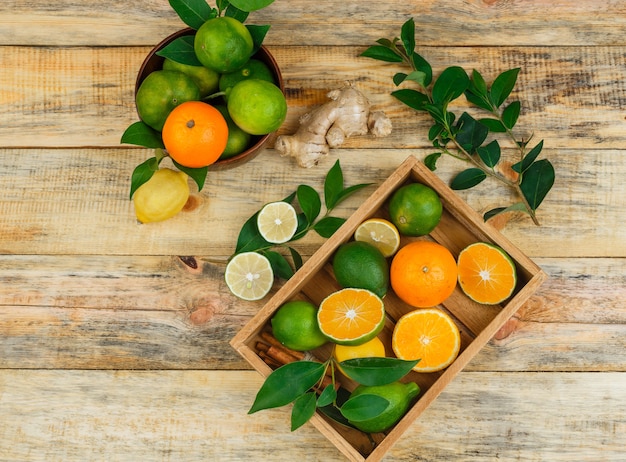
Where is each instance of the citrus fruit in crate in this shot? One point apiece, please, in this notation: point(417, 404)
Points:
point(238, 140)
point(162, 196)
point(400, 396)
point(277, 222)
point(361, 265)
point(415, 209)
point(351, 316)
point(253, 69)
point(258, 107)
point(429, 335)
point(373, 348)
point(380, 233)
point(160, 92)
point(486, 273)
point(195, 134)
point(249, 276)
point(423, 273)
point(223, 44)
point(206, 79)
point(295, 325)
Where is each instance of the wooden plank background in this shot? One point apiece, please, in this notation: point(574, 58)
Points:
point(112, 347)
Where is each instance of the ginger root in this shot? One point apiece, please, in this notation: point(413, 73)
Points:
point(347, 114)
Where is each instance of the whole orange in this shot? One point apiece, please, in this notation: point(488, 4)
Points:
point(423, 273)
point(195, 134)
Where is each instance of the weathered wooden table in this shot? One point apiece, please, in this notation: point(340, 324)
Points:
point(115, 347)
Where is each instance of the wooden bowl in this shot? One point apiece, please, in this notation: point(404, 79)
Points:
point(154, 62)
point(460, 226)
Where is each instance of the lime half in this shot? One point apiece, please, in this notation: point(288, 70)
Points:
point(277, 222)
point(249, 276)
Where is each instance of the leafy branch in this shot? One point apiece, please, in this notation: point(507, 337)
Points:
point(309, 219)
point(467, 138)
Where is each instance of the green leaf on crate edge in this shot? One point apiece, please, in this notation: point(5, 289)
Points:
point(181, 50)
point(194, 13)
point(364, 407)
point(377, 371)
point(140, 134)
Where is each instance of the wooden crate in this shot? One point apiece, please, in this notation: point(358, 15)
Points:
point(460, 226)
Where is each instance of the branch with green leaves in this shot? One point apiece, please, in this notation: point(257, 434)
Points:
point(466, 138)
point(309, 219)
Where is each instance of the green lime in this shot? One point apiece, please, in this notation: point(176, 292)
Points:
point(257, 106)
point(160, 92)
point(360, 265)
point(223, 44)
point(253, 69)
point(415, 209)
point(206, 79)
point(238, 140)
point(295, 326)
point(400, 395)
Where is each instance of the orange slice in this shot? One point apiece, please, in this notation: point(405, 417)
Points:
point(429, 335)
point(486, 273)
point(351, 316)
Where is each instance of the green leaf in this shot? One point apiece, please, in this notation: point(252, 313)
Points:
point(303, 409)
point(279, 264)
point(451, 84)
point(251, 5)
point(418, 77)
point(526, 162)
point(249, 238)
point(502, 86)
point(477, 92)
point(468, 179)
point(408, 37)
point(494, 125)
point(510, 114)
point(142, 173)
point(412, 98)
point(194, 13)
point(537, 182)
point(364, 407)
point(434, 132)
point(296, 257)
point(235, 13)
point(347, 192)
point(328, 396)
point(438, 114)
point(490, 153)
point(377, 371)
point(333, 185)
point(471, 133)
point(141, 134)
point(431, 161)
point(399, 77)
point(287, 383)
point(181, 50)
point(421, 65)
point(382, 53)
point(302, 228)
point(519, 207)
point(258, 34)
point(310, 202)
point(327, 226)
point(197, 174)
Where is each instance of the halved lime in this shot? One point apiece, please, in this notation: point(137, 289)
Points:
point(249, 276)
point(277, 222)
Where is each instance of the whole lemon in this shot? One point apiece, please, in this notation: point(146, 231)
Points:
point(162, 196)
point(223, 44)
point(360, 265)
point(295, 326)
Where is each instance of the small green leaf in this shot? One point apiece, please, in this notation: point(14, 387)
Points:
point(502, 86)
point(526, 162)
point(382, 53)
point(468, 179)
point(347, 192)
point(399, 77)
point(303, 409)
point(418, 77)
point(434, 132)
point(233, 12)
point(490, 153)
point(287, 383)
point(302, 228)
point(537, 182)
point(511, 114)
point(333, 185)
point(377, 371)
point(494, 125)
point(279, 264)
point(471, 133)
point(327, 226)
point(258, 34)
point(517, 207)
point(364, 407)
point(408, 37)
point(197, 174)
point(249, 238)
point(328, 396)
point(421, 65)
point(309, 201)
point(142, 173)
point(296, 257)
point(141, 134)
point(181, 50)
point(251, 5)
point(412, 98)
point(450, 84)
point(194, 13)
point(477, 92)
point(431, 161)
